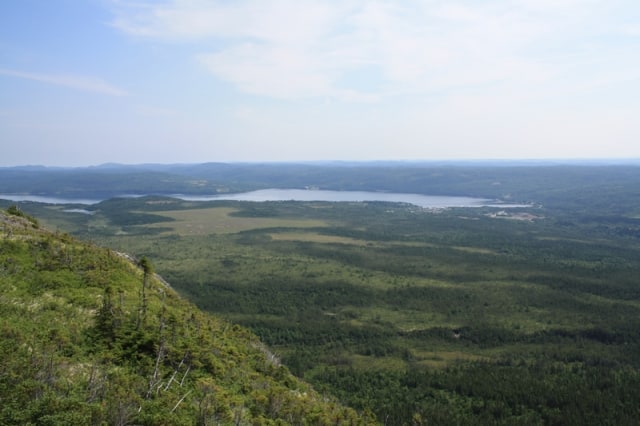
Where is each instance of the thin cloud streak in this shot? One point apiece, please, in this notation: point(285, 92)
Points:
point(77, 82)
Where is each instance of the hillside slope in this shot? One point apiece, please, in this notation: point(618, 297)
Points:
point(88, 337)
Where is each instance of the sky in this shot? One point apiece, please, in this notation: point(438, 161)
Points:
point(86, 82)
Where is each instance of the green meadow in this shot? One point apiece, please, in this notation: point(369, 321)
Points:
point(221, 221)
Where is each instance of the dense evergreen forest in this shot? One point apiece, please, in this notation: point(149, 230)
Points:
point(422, 316)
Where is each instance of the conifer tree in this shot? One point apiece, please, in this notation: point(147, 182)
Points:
point(147, 270)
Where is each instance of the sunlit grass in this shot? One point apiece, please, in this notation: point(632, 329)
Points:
point(443, 359)
point(218, 220)
point(402, 319)
point(316, 238)
point(478, 250)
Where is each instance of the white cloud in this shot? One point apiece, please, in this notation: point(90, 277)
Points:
point(284, 71)
point(77, 82)
point(290, 49)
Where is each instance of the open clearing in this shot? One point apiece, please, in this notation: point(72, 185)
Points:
point(218, 220)
point(317, 238)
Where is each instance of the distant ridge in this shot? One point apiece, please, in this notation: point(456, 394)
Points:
point(522, 181)
point(489, 162)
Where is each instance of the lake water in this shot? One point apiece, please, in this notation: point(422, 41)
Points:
point(426, 201)
point(48, 200)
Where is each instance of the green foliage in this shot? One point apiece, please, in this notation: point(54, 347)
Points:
point(483, 393)
point(462, 316)
point(74, 351)
point(386, 293)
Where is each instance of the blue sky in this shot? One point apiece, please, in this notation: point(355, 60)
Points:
point(86, 82)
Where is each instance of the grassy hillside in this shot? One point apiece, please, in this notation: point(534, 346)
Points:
point(89, 337)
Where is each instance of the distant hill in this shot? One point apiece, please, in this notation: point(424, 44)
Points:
point(88, 336)
point(551, 184)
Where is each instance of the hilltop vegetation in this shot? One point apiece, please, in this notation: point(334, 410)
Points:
point(88, 337)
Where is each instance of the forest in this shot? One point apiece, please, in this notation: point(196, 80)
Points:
point(484, 315)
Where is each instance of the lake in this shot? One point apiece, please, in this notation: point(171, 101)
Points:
point(48, 199)
point(425, 201)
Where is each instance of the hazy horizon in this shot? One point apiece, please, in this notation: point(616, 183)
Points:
point(445, 162)
point(193, 81)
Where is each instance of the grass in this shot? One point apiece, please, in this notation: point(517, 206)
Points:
point(442, 359)
point(317, 238)
point(219, 220)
